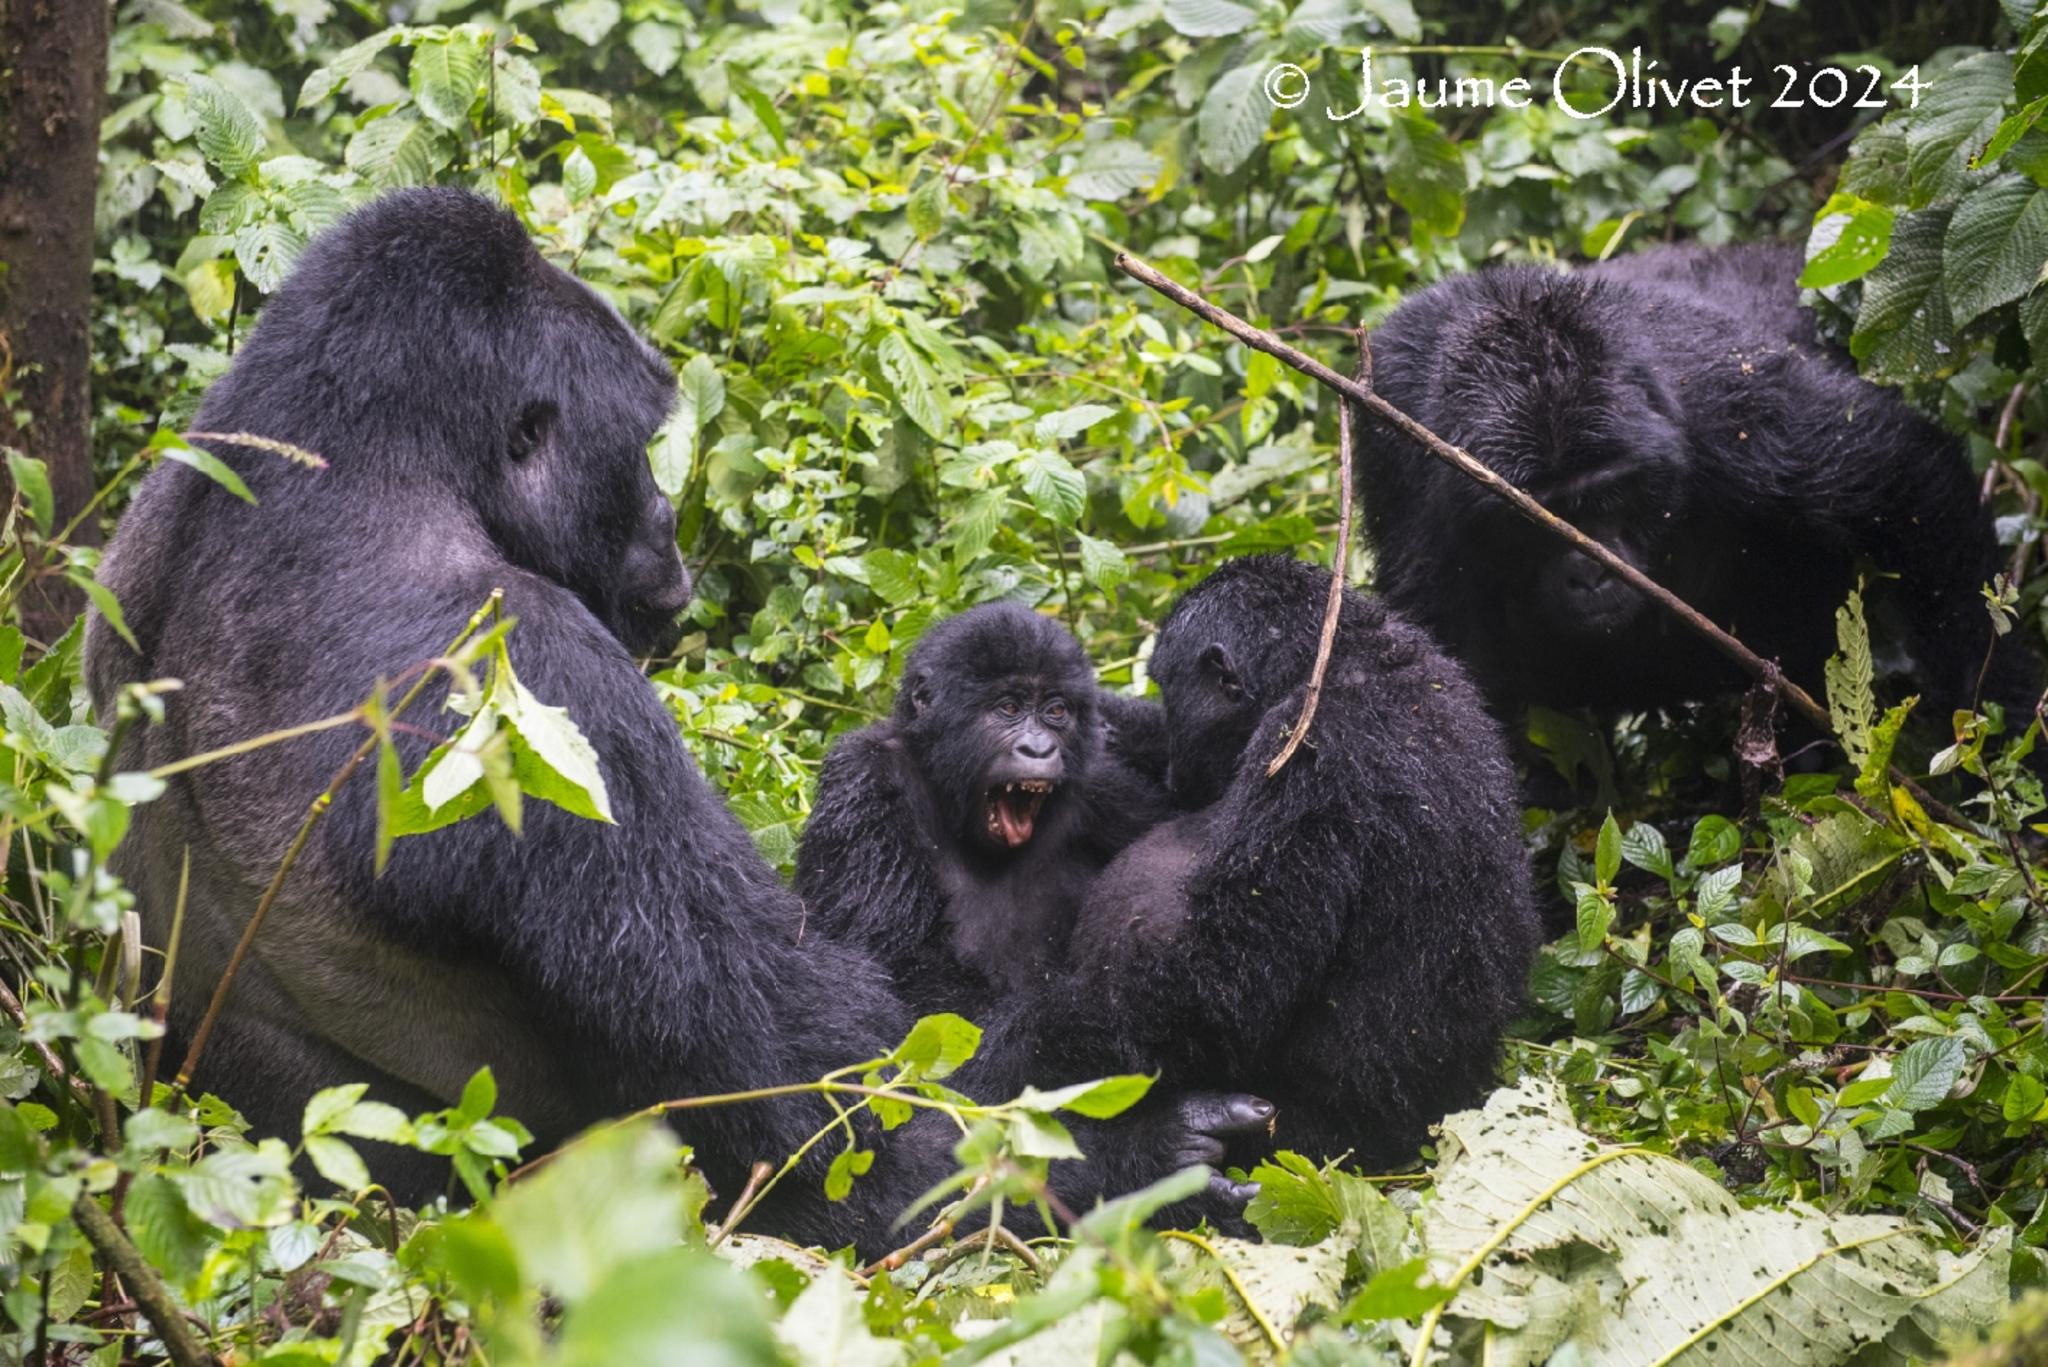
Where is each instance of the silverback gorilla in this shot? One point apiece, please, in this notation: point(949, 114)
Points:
point(1677, 407)
point(1350, 937)
point(485, 421)
point(955, 839)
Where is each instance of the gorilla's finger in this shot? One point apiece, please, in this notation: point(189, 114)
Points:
point(1235, 1195)
point(1227, 1113)
point(1198, 1150)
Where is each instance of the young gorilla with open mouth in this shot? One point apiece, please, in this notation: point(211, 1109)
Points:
point(955, 839)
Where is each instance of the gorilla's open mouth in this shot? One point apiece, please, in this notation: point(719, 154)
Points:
point(1010, 810)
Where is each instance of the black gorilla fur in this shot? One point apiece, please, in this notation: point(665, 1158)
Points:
point(907, 853)
point(1676, 406)
point(485, 419)
point(1349, 938)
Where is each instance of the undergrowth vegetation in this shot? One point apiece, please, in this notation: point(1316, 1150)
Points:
point(1783, 1089)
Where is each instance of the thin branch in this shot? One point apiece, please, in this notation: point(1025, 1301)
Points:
point(142, 1282)
point(1340, 564)
point(1753, 664)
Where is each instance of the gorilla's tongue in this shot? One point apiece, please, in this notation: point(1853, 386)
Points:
point(1013, 811)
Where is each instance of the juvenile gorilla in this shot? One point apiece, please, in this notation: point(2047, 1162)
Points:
point(1676, 407)
point(955, 840)
point(485, 420)
point(1349, 938)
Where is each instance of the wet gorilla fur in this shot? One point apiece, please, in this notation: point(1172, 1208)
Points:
point(899, 855)
point(1349, 938)
point(484, 419)
point(1677, 407)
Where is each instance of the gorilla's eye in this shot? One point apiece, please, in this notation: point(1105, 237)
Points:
point(1056, 710)
point(1008, 708)
point(530, 432)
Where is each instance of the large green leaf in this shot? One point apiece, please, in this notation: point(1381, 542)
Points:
point(1625, 1256)
point(1957, 119)
point(1996, 247)
point(1232, 120)
point(444, 78)
point(228, 135)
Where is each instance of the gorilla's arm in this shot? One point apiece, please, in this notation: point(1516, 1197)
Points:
point(865, 867)
point(1134, 733)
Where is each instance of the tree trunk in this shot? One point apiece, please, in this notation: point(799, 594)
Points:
point(53, 76)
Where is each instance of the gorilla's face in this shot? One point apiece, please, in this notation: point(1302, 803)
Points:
point(997, 706)
point(1619, 479)
point(569, 493)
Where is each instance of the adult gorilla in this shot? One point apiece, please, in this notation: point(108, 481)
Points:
point(485, 419)
point(1676, 406)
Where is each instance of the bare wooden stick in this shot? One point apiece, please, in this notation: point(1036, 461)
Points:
point(1339, 566)
point(1752, 663)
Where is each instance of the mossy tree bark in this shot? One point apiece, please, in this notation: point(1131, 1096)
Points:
point(53, 76)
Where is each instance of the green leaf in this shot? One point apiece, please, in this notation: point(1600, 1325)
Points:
point(2010, 131)
point(1924, 1073)
point(398, 149)
point(1958, 116)
point(338, 1162)
point(109, 608)
point(910, 379)
point(1903, 328)
point(175, 447)
point(1426, 174)
point(1996, 247)
point(444, 77)
point(938, 1044)
point(589, 20)
point(1209, 18)
point(1595, 914)
point(2024, 1097)
point(1296, 1203)
point(1850, 237)
point(1102, 562)
point(1851, 704)
point(1402, 1292)
point(926, 208)
point(550, 757)
point(1643, 846)
point(479, 1095)
point(1607, 852)
point(893, 575)
point(1055, 488)
point(164, 1228)
point(1113, 168)
point(228, 135)
point(32, 482)
point(1715, 840)
point(1069, 422)
point(1098, 1100)
point(846, 1165)
point(1232, 120)
point(327, 79)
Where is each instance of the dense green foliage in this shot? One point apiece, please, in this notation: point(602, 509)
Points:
point(1787, 1074)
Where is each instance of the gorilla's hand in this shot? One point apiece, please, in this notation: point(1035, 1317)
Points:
point(1200, 1125)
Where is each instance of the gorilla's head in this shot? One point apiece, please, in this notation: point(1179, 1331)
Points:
point(422, 346)
point(1557, 400)
point(1238, 643)
point(998, 708)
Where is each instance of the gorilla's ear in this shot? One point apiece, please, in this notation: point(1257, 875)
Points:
point(532, 430)
point(918, 689)
point(1217, 664)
